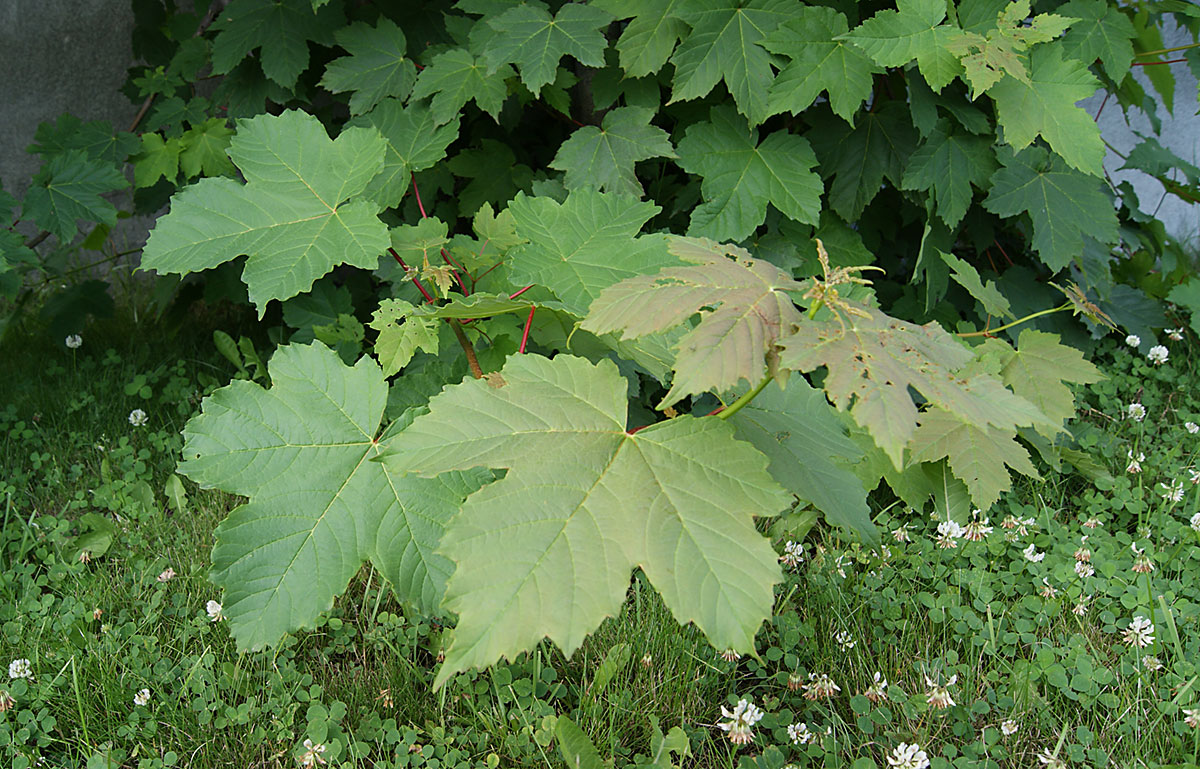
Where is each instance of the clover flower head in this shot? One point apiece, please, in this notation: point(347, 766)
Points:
point(906, 756)
point(1136, 411)
point(1133, 340)
point(1191, 427)
point(1172, 492)
point(1192, 717)
point(1047, 590)
point(1009, 727)
point(1157, 355)
point(1051, 761)
point(878, 688)
point(820, 686)
point(7, 702)
point(1175, 334)
point(215, 611)
point(1142, 564)
point(73, 342)
point(142, 698)
point(1082, 553)
point(741, 721)
point(1032, 555)
point(1135, 463)
point(730, 655)
point(948, 531)
point(1140, 632)
point(1152, 663)
point(1084, 569)
point(800, 734)
point(793, 554)
point(20, 668)
point(1195, 522)
point(167, 575)
point(1081, 606)
point(312, 753)
point(844, 640)
point(901, 534)
point(938, 696)
point(137, 417)
point(1193, 475)
point(976, 530)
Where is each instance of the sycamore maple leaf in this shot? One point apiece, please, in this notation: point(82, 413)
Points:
point(547, 551)
point(745, 305)
point(913, 31)
point(741, 175)
point(203, 149)
point(280, 29)
point(723, 45)
point(529, 37)
point(604, 157)
point(318, 508)
point(401, 334)
point(947, 165)
point(68, 188)
point(376, 67)
point(874, 359)
point(986, 58)
point(414, 141)
point(651, 34)
point(454, 78)
point(1101, 32)
point(296, 218)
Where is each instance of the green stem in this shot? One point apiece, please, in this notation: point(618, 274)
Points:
point(1017, 322)
point(1167, 50)
point(737, 405)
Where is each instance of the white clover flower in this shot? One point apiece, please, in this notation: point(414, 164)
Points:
point(730, 655)
point(1152, 663)
point(1032, 555)
point(1084, 569)
point(793, 554)
point(1081, 607)
point(1136, 412)
point(1157, 355)
point(1192, 717)
point(976, 530)
point(820, 686)
point(906, 756)
point(1176, 334)
point(844, 640)
point(1133, 340)
point(73, 342)
point(20, 668)
point(1195, 522)
point(312, 754)
point(939, 696)
point(215, 611)
point(948, 531)
point(1135, 463)
point(1091, 523)
point(1172, 492)
point(1009, 727)
point(1140, 632)
point(167, 575)
point(1193, 475)
point(741, 720)
point(6, 701)
point(1047, 590)
point(877, 691)
point(800, 734)
point(142, 698)
point(1051, 761)
point(137, 417)
point(901, 534)
point(1191, 427)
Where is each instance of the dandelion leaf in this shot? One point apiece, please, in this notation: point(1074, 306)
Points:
point(977, 454)
point(743, 304)
point(872, 361)
point(810, 452)
point(317, 507)
point(547, 551)
point(298, 216)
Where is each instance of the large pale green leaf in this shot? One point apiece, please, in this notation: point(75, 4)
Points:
point(415, 141)
point(873, 360)
point(650, 36)
point(978, 454)
point(1037, 371)
point(1064, 204)
point(454, 78)
point(913, 31)
point(68, 188)
point(740, 176)
point(547, 551)
point(1045, 106)
point(581, 246)
point(809, 451)
point(376, 67)
point(280, 29)
point(296, 218)
point(604, 157)
point(744, 306)
point(723, 45)
point(947, 164)
point(318, 507)
point(819, 62)
point(526, 35)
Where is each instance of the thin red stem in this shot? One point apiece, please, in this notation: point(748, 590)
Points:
point(415, 281)
point(715, 411)
point(1003, 252)
point(417, 192)
point(528, 324)
point(463, 286)
point(514, 296)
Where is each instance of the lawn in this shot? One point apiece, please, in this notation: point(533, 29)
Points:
point(1014, 641)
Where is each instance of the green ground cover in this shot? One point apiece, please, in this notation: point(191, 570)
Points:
point(1012, 647)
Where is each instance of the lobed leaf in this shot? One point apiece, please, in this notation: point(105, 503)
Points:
point(913, 31)
point(547, 551)
point(454, 78)
point(280, 29)
point(68, 188)
point(604, 157)
point(414, 141)
point(376, 67)
point(529, 37)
